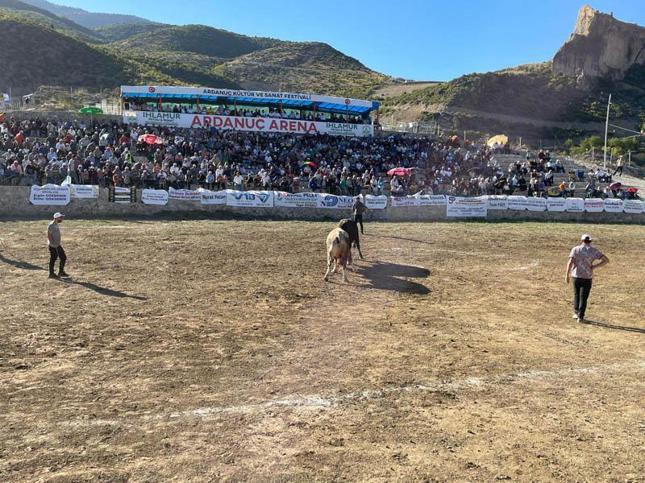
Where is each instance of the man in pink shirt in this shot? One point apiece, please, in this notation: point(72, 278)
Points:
point(581, 267)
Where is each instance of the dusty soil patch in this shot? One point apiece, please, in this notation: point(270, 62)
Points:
point(208, 350)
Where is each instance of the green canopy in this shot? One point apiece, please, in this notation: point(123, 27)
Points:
point(91, 110)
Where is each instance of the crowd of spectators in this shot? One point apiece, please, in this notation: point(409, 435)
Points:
point(42, 152)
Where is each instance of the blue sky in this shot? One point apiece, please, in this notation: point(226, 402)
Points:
point(414, 39)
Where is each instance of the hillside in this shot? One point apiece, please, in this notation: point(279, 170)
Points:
point(25, 11)
point(116, 32)
point(197, 39)
point(89, 20)
point(309, 67)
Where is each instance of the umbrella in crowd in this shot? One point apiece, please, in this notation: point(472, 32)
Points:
point(632, 190)
point(400, 172)
point(311, 164)
point(615, 186)
point(150, 139)
point(91, 110)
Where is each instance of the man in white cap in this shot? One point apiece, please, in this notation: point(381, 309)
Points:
point(55, 248)
point(581, 267)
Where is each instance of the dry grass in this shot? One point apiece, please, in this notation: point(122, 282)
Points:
point(196, 351)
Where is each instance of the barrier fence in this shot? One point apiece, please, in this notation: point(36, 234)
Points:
point(456, 206)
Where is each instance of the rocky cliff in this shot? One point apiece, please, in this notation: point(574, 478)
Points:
point(601, 46)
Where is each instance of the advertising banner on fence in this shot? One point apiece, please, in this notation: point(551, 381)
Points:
point(154, 197)
point(575, 205)
point(401, 201)
point(50, 195)
point(594, 205)
point(497, 202)
point(185, 195)
point(238, 123)
point(296, 200)
point(633, 206)
point(556, 204)
point(335, 202)
point(249, 199)
point(376, 202)
point(613, 205)
point(122, 196)
point(517, 203)
point(84, 192)
point(467, 207)
point(535, 204)
point(212, 197)
point(430, 200)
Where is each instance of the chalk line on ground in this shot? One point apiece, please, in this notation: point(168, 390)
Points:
point(321, 402)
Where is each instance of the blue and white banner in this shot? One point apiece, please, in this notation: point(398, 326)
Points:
point(497, 202)
point(373, 202)
point(249, 199)
point(459, 207)
point(185, 195)
point(50, 195)
point(575, 205)
point(556, 204)
point(296, 200)
point(430, 200)
point(212, 197)
point(613, 205)
point(335, 202)
point(633, 206)
point(594, 205)
point(154, 197)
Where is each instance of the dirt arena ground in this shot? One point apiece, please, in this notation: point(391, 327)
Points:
point(213, 350)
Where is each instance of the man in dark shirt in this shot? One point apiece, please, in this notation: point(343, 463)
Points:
point(358, 208)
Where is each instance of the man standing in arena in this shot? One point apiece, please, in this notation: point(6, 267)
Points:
point(358, 208)
point(55, 247)
point(581, 267)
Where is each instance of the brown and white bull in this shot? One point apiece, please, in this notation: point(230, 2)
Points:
point(338, 252)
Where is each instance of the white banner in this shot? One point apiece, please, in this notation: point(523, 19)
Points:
point(613, 205)
point(430, 200)
point(556, 204)
point(517, 203)
point(594, 205)
point(535, 204)
point(185, 195)
point(459, 207)
point(496, 202)
point(401, 201)
point(237, 123)
point(208, 92)
point(633, 206)
point(296, 200)
point(575, 205)
point(212, 197)
point(250, 199)
point(376, 202)
point(154, 197)
point(84, 191)
point(50, 195)
point(335, 202)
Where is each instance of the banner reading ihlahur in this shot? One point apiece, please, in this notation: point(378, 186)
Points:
point(296, 200)
point(212, 197)
point(459, 207)
point(184, 195)
point(497, 202)
point(154, 197)
point(613, 205)
point(335, 202)
point(633, 206)
point(50, 195)
point(594, 205)
point(556, 204)
point(249, 199)
point(238, 123)
point(373, 202)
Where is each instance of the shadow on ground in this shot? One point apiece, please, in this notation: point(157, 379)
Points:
point(19, 264)
point(614, 327)
point(391, 276)
point(108, 292)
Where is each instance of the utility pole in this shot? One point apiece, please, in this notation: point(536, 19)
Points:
point(604, 160)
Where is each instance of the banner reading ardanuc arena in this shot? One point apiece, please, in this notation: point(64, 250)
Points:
point(467, 207)
point(50, 195)
point(258, 124)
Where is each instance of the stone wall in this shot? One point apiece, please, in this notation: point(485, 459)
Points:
point(15, 205)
